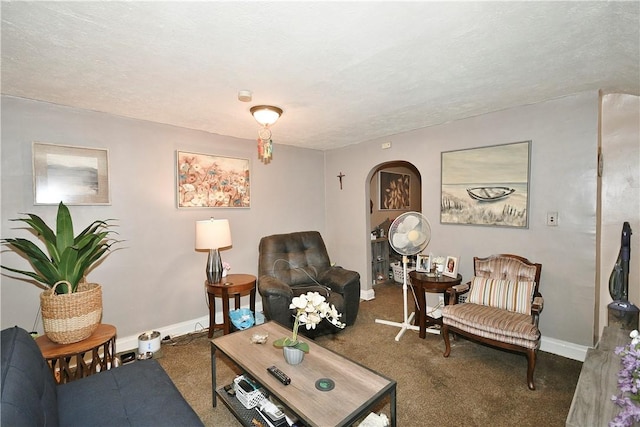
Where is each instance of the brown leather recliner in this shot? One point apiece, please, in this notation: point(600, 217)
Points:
point(296, 263)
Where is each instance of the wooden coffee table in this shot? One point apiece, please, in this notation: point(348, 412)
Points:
point(356, 389)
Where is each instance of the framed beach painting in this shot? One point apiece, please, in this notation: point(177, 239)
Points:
point(209, 181)
point(68, 174)
point(486, 185)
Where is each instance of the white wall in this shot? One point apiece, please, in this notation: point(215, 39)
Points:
point(564, 135)
point(620, 193)
point(156, 277)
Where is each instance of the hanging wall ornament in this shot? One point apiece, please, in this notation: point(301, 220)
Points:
point(265, 145)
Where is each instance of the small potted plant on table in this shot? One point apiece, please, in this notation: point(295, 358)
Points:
point(310, 308)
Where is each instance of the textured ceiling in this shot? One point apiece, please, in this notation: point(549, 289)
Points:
point(342, 72)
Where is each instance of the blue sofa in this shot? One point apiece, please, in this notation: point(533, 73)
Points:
point(137, 394)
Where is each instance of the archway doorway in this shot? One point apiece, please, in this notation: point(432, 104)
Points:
point(394, 188)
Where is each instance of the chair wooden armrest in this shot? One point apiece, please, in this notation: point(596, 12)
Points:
point(456, 290)
point(536, 308)
point(462, 287)
point(537, 305)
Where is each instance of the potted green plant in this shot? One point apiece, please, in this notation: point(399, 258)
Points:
point(71, 308)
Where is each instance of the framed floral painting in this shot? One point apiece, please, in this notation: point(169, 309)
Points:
point(208, 181)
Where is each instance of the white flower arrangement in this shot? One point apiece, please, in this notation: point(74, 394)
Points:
point(438, 260)
point(310, 308)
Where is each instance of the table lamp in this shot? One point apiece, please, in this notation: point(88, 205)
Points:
point(213, 234)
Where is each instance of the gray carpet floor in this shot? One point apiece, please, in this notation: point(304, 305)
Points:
point(475, 386)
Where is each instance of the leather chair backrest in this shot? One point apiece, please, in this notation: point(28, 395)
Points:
point(294, 258)
point(507, 267)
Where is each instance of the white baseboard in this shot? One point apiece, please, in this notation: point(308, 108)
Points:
point(130, 343)
point(564, 348)
point(195, 325)
point(367, 295)
point(549, 345)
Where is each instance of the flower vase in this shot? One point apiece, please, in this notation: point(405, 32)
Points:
point(292, 355)
point(224, 272)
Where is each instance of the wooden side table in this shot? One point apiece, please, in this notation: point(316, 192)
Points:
point(70, 362)
point(424, 283)
point(234, 285)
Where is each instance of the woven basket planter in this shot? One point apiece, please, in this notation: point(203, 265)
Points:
point(69, 318)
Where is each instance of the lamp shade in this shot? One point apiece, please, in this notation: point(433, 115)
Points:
point(213, 234)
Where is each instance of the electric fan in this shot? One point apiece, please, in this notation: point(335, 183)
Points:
point(409, 234)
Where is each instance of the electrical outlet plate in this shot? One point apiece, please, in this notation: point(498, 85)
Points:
point(552, 219)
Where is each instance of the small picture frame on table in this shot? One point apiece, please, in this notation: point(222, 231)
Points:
point(423, 263)
point(451, 267)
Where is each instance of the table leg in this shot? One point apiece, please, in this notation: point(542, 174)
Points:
point(112, 348)
point(52, 365)
point(252, 301)
point(392, 405)
point(237, 301)
point(97, 363)
point(422, 312)
point(225, 311)
point(212, 314)
point(65, 370)
point(213, 375)
point(82, 370)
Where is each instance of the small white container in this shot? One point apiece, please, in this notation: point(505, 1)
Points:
point(148, 342)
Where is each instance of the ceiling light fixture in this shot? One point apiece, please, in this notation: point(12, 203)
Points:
point(266, 115)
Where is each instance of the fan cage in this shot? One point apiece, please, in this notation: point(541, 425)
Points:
point(424, 225)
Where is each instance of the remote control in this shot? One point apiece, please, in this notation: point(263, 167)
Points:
point(281, 376)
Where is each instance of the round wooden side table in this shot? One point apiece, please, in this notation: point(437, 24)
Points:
point(234, 285)
point(424, 283)
point(70, 362)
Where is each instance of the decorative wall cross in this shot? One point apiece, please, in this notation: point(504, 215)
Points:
point(340, 178)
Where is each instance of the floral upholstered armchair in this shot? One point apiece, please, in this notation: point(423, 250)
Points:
point(502, 307)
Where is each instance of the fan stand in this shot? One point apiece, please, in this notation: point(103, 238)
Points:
point(407, 319)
